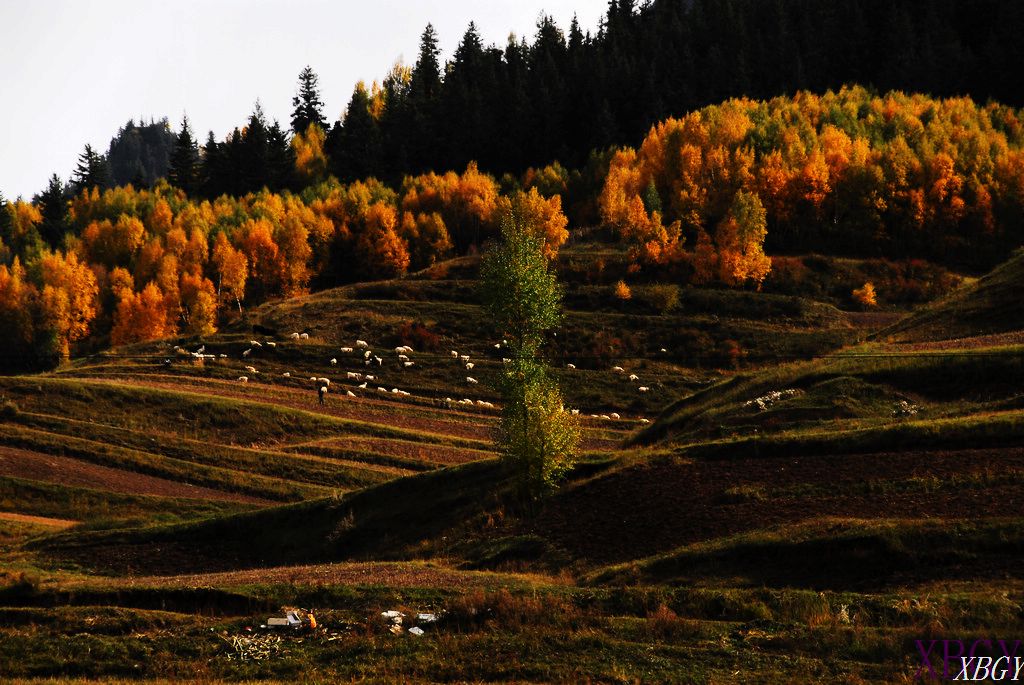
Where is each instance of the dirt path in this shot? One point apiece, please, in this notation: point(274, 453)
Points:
point(37, 520)
point(19, 463)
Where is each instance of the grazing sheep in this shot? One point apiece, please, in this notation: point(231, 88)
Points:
point(287, 374)
point(378, 360)
point(250, 369)
point(271, 344)
point(644, 421)
point(464, 358)
point(370, 378)
point(593, 416)
point(294, 336)
point(634, 377)
point(643, 388)
point(455, 354)
point(618, 369)
point(404, 393)
point(255, 343)
point(664, 350)
point(350, 393)
point(222, 356)
point(325, 381)
point(471, 380)
point(247, 353)
point(382, 389)
point(313, 378)
point(334, 362)
point(394, 391)
point(605, 416)
point(615, 416)
point(362, 343)
point(243, 379)
point(480, 403)
point(403, 358)
point(575, 412)
point(304, 336)
point(505, 360)
point(570, 366)
point(363, 385)
point(201, 350)
point(353, 375)
point(497, 346)
point(469, 366)
point(407, 364)
point(346, 350)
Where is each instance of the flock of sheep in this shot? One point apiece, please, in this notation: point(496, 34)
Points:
point(361, 351)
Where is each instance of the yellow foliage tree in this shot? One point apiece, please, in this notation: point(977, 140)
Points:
point(140, 317)
point(310, 160)
point(740, 242)
point(68, 299)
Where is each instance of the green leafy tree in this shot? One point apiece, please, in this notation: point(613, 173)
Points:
point(520, 290)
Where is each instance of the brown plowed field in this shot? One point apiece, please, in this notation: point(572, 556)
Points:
point(18, 463)
point(674, 504)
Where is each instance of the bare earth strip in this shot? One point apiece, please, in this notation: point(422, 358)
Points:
point(18, 463)
point(36, 520)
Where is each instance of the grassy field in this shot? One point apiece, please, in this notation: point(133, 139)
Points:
point(801, 493)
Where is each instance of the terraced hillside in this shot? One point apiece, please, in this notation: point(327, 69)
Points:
point(803, 518)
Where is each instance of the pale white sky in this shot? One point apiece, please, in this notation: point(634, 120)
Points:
point(73, 71)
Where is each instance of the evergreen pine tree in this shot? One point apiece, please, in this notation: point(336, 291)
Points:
point(184, 160)
point(91, 170)
point(53, 205)
point(307, 103)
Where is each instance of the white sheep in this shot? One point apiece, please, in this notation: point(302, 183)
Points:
point(464, 358)
point(664, 350)
point(643, 388)
point(362, 343)
point(271, 344)
point(605, 416)
point(618, 369)
point(353, 375)
point(471, 380)
point(287, 374)
point(403, 358)
point(334, 361)
point(363, 385)
point(243, 379)
point(570, 366)
point(455, 354)
point(313, 378)
point(634, 377)
point(367, 354)
point(294, 336)
point(250, 369)
point(382, 389)
point(247, 353)
point(497, 346)
point(469, 366)
point(644, 421)
point(407, 364)
point(404, 393)
point(255, 343)
point(378, 360)
point(394, 391)
point(506, 360)
point(346, 350)
point(575, 412)
point(480, 403)
point(304, 336)
point(370, 378)
point(615, 416)
point(201, 350)
point(325, 381)
point(350, 393)
point(222, 356)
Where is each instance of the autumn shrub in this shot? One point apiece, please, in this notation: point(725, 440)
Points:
point(622, 291)
point(665, 624)
point(662, 297)
point(865, 295)
point(417, 336)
